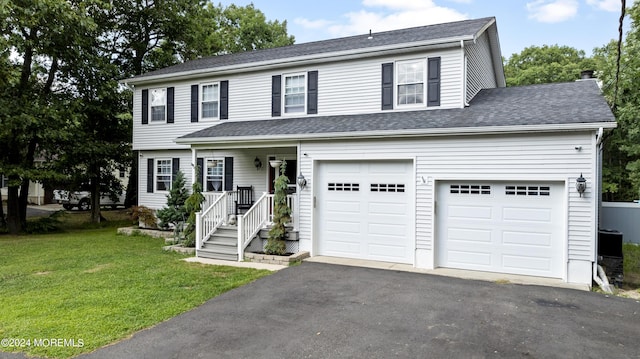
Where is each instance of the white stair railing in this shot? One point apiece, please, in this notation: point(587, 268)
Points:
point(210, 219)
point(250, 223)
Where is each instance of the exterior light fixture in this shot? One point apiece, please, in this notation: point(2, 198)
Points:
point(257, 163)
point(302, 182)
point(581, 184)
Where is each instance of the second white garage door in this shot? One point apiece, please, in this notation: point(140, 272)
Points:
point(364, 210)
point(501, 227)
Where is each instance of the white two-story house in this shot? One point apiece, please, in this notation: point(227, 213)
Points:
point(402, 146)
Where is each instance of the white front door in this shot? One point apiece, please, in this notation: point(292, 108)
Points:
point(365, 210)
point(506, 227)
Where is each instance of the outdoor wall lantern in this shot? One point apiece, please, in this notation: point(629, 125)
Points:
point(257, 163)
point(581, 184)
point(302, 182)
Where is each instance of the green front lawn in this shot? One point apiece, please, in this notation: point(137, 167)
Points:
point(96, 287)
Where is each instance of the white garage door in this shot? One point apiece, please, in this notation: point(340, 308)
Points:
point(501, 227)
point(365, 210)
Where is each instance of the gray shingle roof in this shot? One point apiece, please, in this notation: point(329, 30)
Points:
point(416, 34)
point(578, 102)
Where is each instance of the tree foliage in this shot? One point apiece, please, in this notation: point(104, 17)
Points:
point(281, 215)
point(546, 64)
point(60, 61)
point(175, 211)
point(621, 174)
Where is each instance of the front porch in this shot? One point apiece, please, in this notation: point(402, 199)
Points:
point(223, 234)
point(239, 199)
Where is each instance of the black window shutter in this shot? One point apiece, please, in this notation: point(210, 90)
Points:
point(145, 107)
point(224, 100)
point(433, 82)
point(194, 103)
point(312, 93)
point(276, 99)
point(150, 175)
point(170, 104)
point(175, 167)
point(228, 173)
point(200, 164)
point(387, 86)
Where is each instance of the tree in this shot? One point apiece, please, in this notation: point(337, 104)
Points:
point(35, 105)
point(621, 175)
point(175, 211)
point(192, 205)
point(546, 64)
point(281, 215)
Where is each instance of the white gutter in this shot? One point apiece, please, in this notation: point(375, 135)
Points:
point(399, 133)
point(305, 60)
point(599, 136)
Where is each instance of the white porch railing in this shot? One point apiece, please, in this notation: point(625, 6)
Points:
point(211, 218)
point(250, 223)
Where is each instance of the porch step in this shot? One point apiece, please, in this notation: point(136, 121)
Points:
point(206, 253)
point(223, 244)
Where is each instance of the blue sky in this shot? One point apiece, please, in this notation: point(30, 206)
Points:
point(583, 24)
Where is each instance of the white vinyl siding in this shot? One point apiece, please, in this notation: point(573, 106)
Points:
point(244, 170)
point(489, 158)
point(480, 72)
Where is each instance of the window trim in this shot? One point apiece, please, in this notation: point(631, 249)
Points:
point(305, 93)
point(396, 83)
point(200, 101)
point(205, 174)
point(155, 174)
point(151, 106)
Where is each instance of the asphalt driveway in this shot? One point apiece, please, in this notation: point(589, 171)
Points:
point(320, 310)
point(328, 311)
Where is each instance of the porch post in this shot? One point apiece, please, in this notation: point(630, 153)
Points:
point(194, 165)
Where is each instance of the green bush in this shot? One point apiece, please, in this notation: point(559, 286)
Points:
point(42, 225)
point(145, 215)
point(175, 211)
point(281, 215)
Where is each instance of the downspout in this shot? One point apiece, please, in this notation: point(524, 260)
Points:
point(599, 275)
point(464, 75)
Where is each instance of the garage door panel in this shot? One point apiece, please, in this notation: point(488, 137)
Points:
point(379, 199)
point(472, 258)
point(470, 212)
point(527, 264)
point(511, 229)
point(527, 239)
point(536, 215)
point(468, 235)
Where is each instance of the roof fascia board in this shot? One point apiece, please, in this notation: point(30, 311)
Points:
point(305, 60)
point(400, 133)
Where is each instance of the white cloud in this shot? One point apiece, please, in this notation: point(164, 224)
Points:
point(383, 15)
point(552, 11)
point(606, 5)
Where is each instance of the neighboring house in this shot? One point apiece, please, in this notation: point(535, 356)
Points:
point(411, 148)
point(38, 194)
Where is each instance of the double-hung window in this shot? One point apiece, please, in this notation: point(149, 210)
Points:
point(158, 105)
point(410, 82)
point(214, 175)
point(210, 100)
point(294, 93)
point(163, 174)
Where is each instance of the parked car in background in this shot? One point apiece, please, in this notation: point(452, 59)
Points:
point(82, 199)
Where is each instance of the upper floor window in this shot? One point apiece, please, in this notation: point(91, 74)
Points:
point(210, 101)
point(410, 82)
point(163, 174)
point(215, 175)
point(294, 93)
point(158, 105)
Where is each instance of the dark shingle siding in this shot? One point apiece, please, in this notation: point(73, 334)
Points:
point(549, 104)
point(423, 33)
